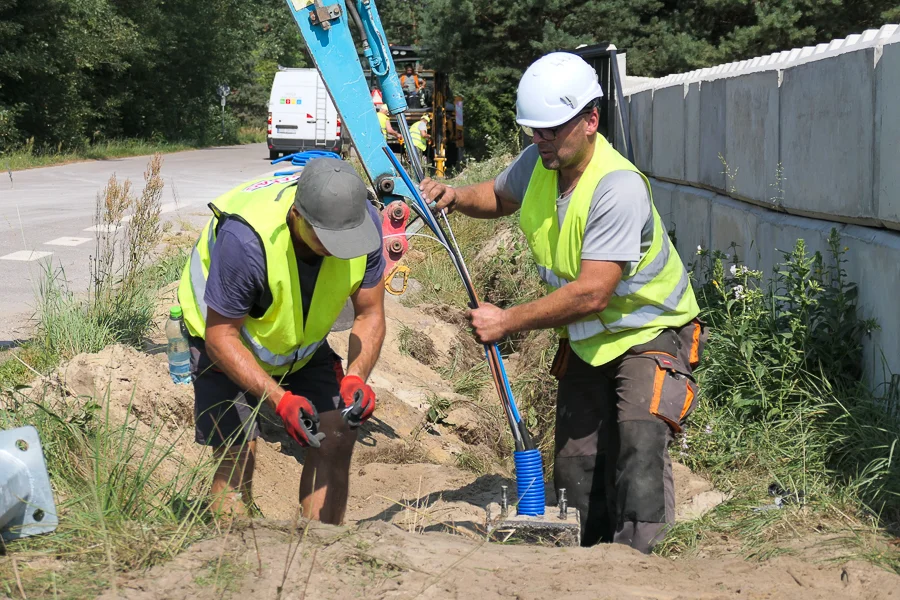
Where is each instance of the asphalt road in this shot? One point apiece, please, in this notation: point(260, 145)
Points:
point(47, 214)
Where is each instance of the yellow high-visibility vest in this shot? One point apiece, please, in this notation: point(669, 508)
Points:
point(279, 338)
point(416, 135)
point(654, 294)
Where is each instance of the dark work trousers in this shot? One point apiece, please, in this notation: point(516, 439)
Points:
point(614, 425)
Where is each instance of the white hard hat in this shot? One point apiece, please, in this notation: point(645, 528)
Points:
point(554, 89)
point(382, 108)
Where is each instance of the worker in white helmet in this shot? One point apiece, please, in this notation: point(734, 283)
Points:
point(617, 294)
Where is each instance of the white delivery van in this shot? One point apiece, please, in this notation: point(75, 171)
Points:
point(302, 115)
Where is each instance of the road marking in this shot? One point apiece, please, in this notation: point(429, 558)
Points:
point(171, 206)
point(25, 255)
point(163, 209)
point(98, 228)
point(67, 241)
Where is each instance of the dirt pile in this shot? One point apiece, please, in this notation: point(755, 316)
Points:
point(378, 560)
point(406, 467)
point(407, 492)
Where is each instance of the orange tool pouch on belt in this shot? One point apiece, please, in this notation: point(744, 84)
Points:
point(674, 390)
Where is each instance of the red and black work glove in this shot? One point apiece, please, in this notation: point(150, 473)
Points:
point(301, 420)
point(358, 399)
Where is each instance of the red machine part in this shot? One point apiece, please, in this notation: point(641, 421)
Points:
point(395, 218)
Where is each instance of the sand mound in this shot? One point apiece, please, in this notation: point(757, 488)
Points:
point(378, 560)
point(415, 521)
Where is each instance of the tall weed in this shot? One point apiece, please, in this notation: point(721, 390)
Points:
point(125, 496)
point(121, 300)
point(782, 396)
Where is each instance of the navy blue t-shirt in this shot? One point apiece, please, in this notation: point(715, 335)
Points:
point(237, 271)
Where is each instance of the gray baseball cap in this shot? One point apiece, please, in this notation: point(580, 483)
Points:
point(332, 198)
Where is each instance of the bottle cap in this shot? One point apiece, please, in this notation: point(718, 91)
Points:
point(175, 312)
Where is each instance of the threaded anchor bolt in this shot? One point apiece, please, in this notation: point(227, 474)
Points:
point(504, 502)
point(563, 507)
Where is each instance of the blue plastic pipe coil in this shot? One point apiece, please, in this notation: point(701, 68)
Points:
point(529, 482)
point(299, 159)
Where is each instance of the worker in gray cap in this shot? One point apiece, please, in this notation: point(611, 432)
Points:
point(266, 282)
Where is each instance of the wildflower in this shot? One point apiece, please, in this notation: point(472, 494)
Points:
point(708, 429)
point(715, 283)
point(699, 250)
point(738, 270)
point(739, 292)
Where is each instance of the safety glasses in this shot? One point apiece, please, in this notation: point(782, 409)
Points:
point(548, 134)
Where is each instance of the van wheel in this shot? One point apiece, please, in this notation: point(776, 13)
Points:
point(273, 154)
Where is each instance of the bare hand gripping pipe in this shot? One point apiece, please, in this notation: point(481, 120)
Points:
point(529, 466)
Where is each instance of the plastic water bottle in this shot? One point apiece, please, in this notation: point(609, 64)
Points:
point(178, 348)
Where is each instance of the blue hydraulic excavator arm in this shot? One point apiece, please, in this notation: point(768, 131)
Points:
point(326, 28)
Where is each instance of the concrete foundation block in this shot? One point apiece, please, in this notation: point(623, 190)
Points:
point(668, 132)
point(735, 223)
point(692, 133)
point(751, 135)
point(827, 118)
point(777, 234)
point(641, 115)
point(712, 133)
point(662, 199)
point(691, 218)
point(872, 264)
point(887, 135)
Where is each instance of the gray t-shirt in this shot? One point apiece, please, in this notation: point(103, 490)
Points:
point(619, 225)
point(237, 284)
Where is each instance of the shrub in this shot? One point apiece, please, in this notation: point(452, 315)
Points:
point(782, 397)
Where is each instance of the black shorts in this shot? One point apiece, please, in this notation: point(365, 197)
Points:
point(225, 415)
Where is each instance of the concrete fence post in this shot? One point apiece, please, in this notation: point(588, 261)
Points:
point(26, 499)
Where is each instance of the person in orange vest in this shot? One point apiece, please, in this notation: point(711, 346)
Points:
point(412, 87)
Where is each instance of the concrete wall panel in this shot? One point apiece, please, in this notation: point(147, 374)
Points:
point(714, 221)
point(620, 139)
point(662, 199)
point(668, 132)
point(751, 135)
point(692, 133)
point(827, 115)
point(872, 264)
point(887, 135)
point(712, 133)
point(735, 223)
point(691, 216)
point(641, 115)
point(777, 233)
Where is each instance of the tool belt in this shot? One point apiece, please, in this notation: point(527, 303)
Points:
point(667, 365)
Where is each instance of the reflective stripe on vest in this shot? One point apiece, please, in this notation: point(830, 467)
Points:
point(198, 284)
point(278, 360)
